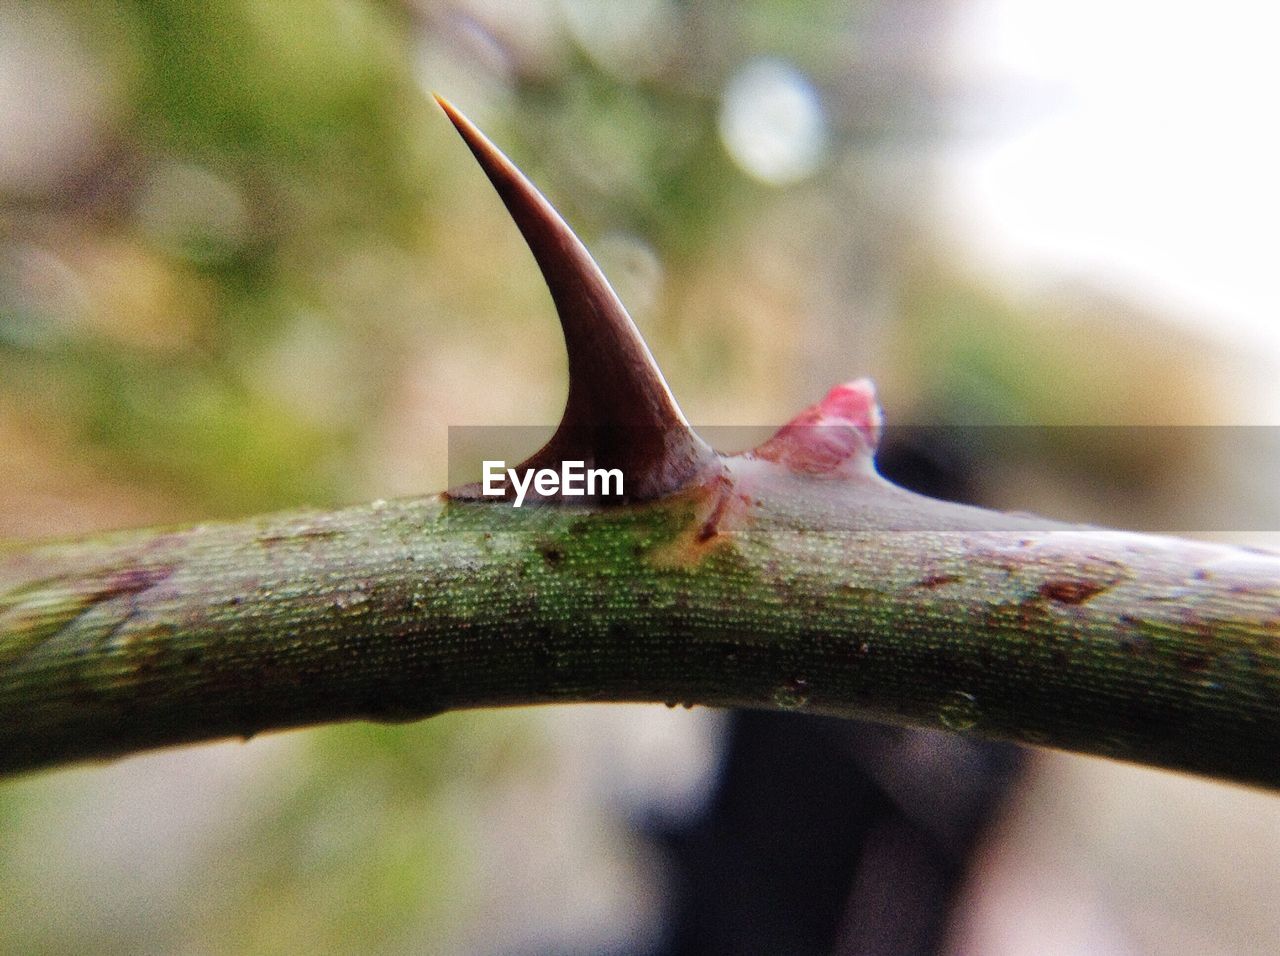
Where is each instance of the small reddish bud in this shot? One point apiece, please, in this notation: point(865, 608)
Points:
point(837, 436)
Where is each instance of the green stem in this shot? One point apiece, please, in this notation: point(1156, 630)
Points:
point(851, 598)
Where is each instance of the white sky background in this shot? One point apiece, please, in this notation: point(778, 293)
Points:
point(1143, 153)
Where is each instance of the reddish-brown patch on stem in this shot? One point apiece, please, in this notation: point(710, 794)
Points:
point(1196, 662)
point(35, 614)
point(131, 581)
point(1068, 591)
point(711, 527)
point(718, 510)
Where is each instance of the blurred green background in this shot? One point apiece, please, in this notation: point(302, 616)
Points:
point(245, 264)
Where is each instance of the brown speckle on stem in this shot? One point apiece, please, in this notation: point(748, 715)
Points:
point(932, 581)
point(1067, 591)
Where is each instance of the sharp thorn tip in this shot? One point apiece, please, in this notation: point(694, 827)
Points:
point(619, 408)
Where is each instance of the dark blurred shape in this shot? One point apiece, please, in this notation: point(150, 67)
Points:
point(829, 836)
point(933, 461)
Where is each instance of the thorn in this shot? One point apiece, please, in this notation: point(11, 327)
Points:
point(619, 413)
point(837, 436)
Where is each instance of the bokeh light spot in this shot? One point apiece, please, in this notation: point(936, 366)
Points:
point(772, 122)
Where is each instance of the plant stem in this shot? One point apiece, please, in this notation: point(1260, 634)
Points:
point(854, 599)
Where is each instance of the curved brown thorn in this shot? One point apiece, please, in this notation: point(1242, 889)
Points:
point(620, 413)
